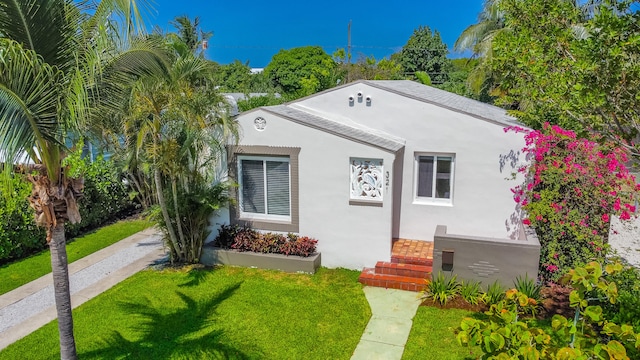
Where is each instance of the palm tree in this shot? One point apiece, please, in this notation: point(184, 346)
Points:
point(57, 59)
point(479, 38)
point(190, 34)
point(176, 120)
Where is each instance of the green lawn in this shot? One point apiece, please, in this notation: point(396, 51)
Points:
point(228, 312)
point(21, 272)
point(433, 336)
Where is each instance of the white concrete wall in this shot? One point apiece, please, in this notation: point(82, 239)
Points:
point(348, 236)
point(624, 238)
point(482, 201)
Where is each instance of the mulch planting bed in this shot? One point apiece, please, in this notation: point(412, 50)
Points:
point(555, 301)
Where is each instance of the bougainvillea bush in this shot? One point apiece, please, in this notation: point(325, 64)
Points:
point(573, 186)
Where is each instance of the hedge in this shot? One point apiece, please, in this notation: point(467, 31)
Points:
point(105, 197)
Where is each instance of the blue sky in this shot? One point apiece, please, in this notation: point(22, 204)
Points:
point(250, 30)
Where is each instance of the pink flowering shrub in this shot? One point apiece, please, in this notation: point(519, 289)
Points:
point(573, 186)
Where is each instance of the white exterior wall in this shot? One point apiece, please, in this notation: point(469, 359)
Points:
point(352, 236)
point(482, 201)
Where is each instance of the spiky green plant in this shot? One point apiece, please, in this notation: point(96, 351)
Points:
point(441, 289)
point(471, 291)
point(494, 293)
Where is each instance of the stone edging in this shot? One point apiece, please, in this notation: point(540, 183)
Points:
point(293, 264)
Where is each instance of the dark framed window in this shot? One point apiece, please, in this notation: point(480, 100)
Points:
point(434, 177)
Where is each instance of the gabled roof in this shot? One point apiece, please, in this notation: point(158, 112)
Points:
point(445, 99)
point(360, 133)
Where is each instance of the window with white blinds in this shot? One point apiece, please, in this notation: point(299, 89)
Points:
point(264, 186)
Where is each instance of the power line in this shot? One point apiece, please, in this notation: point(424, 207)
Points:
point(379, 47)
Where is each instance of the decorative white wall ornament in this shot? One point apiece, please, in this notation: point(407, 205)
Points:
point(366, 179)
point(260, 123)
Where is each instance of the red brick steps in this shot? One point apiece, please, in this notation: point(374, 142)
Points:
point(400, 276)
point(400, 259)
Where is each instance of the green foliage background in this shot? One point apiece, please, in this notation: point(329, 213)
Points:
point(105, 196)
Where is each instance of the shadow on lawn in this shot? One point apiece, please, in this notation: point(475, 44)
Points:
point(178, 334)
point(196, 277)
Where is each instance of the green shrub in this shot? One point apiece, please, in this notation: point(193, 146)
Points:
point(626, 310)
point(19, 235)
point(441, 289)
point(494, 293)
point(504, 334)
point(105, 194)
point(532, 289)
point(471, 291)
point(529, 287)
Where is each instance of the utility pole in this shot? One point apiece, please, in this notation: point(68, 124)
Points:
point(349, 52)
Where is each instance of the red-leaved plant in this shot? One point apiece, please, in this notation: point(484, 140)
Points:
point(243, 238)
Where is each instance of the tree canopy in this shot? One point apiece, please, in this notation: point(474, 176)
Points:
point(304, 70)
point(574, 68)
point(425, 51)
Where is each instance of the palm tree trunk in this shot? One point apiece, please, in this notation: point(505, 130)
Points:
point(60, 271)
point(183, 241)
point(142, 197)
point(165, 214)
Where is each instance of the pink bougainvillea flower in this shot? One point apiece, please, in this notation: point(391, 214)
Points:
point(625, 216)
point(616, 205)
point(605, 217)
point(552, 268)
point(526, 221)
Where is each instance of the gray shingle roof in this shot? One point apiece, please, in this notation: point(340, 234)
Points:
point(360, 134)
point(445, 99)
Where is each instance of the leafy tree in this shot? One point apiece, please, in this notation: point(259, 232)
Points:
point(423, 78)
point(61, 61)
point(234, 77)
point(367, 68)
point(258, 101)
point(303, 70)
point(425, 51)
point(458, 82)
point(577, 69)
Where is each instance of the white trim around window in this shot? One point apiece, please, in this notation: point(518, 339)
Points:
point(433, 178)
point(264, 187)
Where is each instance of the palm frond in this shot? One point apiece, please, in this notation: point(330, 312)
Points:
point(128, 13)
point(29, 99)
point(48, 27)
point(113, 88)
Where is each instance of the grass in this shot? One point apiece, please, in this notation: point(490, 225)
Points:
point(223, 313)
point(18, 273)
point(433, 336)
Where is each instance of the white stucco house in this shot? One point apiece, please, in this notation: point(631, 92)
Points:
point(362, 164)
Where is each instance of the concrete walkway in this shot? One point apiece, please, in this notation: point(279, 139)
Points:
point(31, 306)
point(388, 329)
